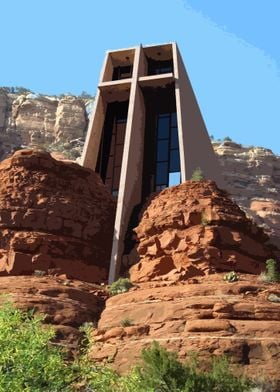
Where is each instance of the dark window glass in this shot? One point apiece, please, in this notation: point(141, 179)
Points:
point(162, 173)
point(123, 72)
point(156, 67)
point(120, 132)
point(162, 70)
point(174, 161)
point(112, 147)
point(162, 150)
point(173, 120)
point(117, 174)
point(174, 138)
point(160, 187)
point(163, 128)
point(118, 154)
point(110, 167)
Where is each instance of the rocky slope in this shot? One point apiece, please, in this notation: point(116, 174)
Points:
point(205, 315)
point(54, 216)
point(67, 304)
point(195, 229)
point(187, 235)
point(56, 222)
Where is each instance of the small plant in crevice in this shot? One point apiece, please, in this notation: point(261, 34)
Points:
point(204, 220)
point(197, 175)
point(121, 285)
point(231, 276)
point(126, 322)
point(272, 274)
point(87, 328)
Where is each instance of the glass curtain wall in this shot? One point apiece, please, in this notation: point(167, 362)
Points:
point(111, 150)
point(167, 155)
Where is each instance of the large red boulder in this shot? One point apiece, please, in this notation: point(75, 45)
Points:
point(54, 216)
point(195, 229)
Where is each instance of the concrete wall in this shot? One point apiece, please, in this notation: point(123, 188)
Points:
point(195, 146)
point(131, 173)
point(94, 134)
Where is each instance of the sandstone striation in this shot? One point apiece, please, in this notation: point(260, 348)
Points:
point(54, 216)
point(252, 177)
point(36, 120)
point(195, 229)
point(206, 315)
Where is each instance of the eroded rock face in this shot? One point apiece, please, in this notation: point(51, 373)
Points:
point(205, 315)
point(67, 304)
point(54, 216)
point(252, 177)
point(36, 120)
point(195, 229)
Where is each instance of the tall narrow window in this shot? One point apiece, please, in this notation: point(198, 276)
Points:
point(111, 152)
point(167, 156)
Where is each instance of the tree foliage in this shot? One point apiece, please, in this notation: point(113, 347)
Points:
point(29, 362)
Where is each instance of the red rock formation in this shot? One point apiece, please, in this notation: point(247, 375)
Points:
point(205, 315)
point(195, 229)
point(67, 304)
point(54, 216)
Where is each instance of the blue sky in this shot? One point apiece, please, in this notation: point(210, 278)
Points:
point(230, 48)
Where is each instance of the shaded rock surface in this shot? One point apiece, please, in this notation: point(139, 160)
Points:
point(54, 216)
point(195, 229)
point(67, 304)
point(205, 315)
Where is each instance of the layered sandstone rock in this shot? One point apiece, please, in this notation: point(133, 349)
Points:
point(252, 177)
point(54, 216)
point(205, 315)
point(195, 229)
point(66, 304)
point(37, 120)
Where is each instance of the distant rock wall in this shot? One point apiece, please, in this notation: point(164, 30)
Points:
point(35, 120)
point(252, 177)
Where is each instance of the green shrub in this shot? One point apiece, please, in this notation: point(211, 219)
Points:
point(227, 139)
point(197, 175)
point(161, 371)
point(120, 286)
point(204, 220)
point(30, 363)
point(231, 277)
point(271, 274)
point(272, 271)
point(126, 322)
